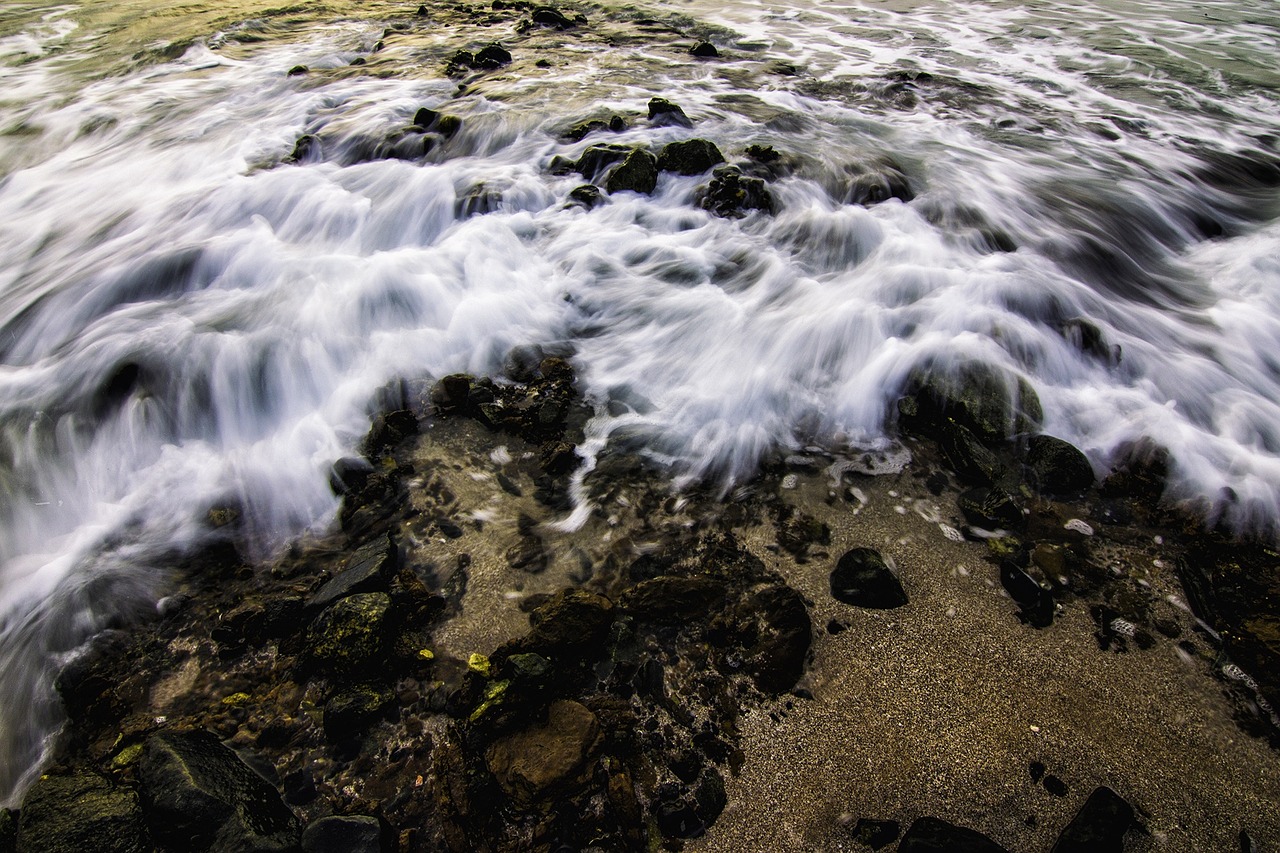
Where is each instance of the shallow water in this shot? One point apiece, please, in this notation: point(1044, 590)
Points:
point(187, 321)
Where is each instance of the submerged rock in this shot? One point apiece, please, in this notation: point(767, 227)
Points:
point(1058, 466)
point(597, 158)
point(993, 403)
point(80, 812)
point(872, 183)
point(367, 569)
point(349, 635)
point(691, 157)
point(931, 835)
point(862, 578)
point(990, 508)
point(664, 114)
point(548, 756)
point(733, 194)
point(638, 173)
point(347, 834)
point(587, 195)
point(775, 632)
point(572, 618)
point(350, 712)
point(199, 795)
point(1099, 826)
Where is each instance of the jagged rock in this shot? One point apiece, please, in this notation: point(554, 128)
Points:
point(873, 183)
point(367, 569)
point(452, 392)
point(1058, 466)
point(546, 757)
point(303, 148)
point(349, 636)
point(388, 430)
point(1035, 601)
point(732, 194)
point(347, 834)
point(862, 578)
point(80, 812)
point(199, 795)
point(691, 157)
point(1099, 826)
point(638, 173)
point(670, 598)
point(990, 508)
point(931, 835)
point(704, 50)
point(969, 458)
point(87, 683)
point(664, 114)
point(351, 711)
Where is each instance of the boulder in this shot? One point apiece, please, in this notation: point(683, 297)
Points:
point(348, 637)
point(774, 631)
point(1058, 466)
point(990, 508)
point(664, 114)
point(732, 194)
point(872, 183)
point(547, 757)
point(347, 834)
point(548, 16)
point(691, 157)
point(199, 795)
point(862, 578)
point(573, 618)
point(1099, 826)
point(79, 812)
point(638, 173)
point(492, 55)
point(367, 569)
point(969, 458)
point(704, 50)
point(993, 403)
point(670, 598)
point(931, 835)
point(597, 158)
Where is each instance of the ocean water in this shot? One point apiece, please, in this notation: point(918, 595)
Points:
point(188, 320)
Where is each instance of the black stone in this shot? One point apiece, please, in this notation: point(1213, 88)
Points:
point(1035, 601)
point(492, 56)
point(549, 17)
point(677, 819)
point(1055, 786)
point(426, 118)
point(366, 570)
point(993, 403)
point(198, 795)
point(876, 833)
point(931, 835)
point(350, 712)
point(80, 812)
point(862, 578)
point(303, 148)
point(349, 474)
point(346, 834)
point(670, 598)
point(691, 157)
point(299, 788)
point(638, 173)
point(587, 195)
point(1099, 826)
point(597, 158)
point(572, 618)
point(665, 114)
point(990, 508)
point(732, 194)
point(1058, 466)
point(776, 633)
point(704, 50)
point(969, 458)
point(876, 182)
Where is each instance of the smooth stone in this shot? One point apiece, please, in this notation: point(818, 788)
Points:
point(345, 834)
point(1099, 826)
point(664, 113)
point(990, 508)
point(690, 157)
point(704, 50)
point(547, 756)
point(1059, 467)
point(638, 173)
point(862, 578)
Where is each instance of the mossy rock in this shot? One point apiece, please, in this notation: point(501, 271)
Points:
point(349, 637)
point(638, 173)
point(79, 812)
point(995, 404)
point(690, 157)
point(1058, 466)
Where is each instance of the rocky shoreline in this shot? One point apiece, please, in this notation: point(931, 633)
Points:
point(454, 670)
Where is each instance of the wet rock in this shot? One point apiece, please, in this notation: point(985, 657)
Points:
point(638, 173)
point(704, 50)
point(297, 71)
point(558, 457)
point(1141, 471)
point(425, 118)
point(547, 16)
point(367, 569)
point(597, 158)
point(547, 757)
point(350, 712)
point(732, 194)
point(80, 812)
point(862, 578)
point(990, 508)
point(666, 114)
point(1099, 826)
point(528, 555)
point(1058, 466)
point(448, 126)
point(452, 392)
point(993, 403)
point(1086, 336)
point(931, 835)
point(198, 795)
point(348, 637)
point(8, 831)
point(969, 458)
point(691, 157)
point(87, 684)
point(797, 531)
point(477, 201)
point(775, 633)
point(1035, 602)
point(876, 833)
point(347, 834)
point(668, 597)
point(388, 430)
point(873, 183)
point(305, 146)
point(299, 788)
point(572, 618)
point(349, 474)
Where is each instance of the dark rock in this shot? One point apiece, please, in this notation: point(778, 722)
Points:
point(347, 834)
point(349, 474)
point(597, 158)
point(665, 114)
point(775, 633)
point(388, 430)
point(876, 833)
point(87, 683)
point(709, 797)
point(670, 598)
point(558, 457)
point(678, 819)
point(990, 508)
point(931, 835)
point(367, 569)
point(426, 118)
point(297, 70)
point(732, 194)
point(1099, 826)
point(863, 579)
point(704, 50)
point(547, 757)
point(584, 129)
point(528, 555)
point(638, 173)
point(350, 712)
point(349, 636)
point(969, 458)
point(492, 55)
point(299, 788)
point(1055, 786)
point(303, 148)
point(691, 157)
point(763, 153)
point(448, 126)
point(452, 392)
point(876, 182)
point(1035, 601)
point(1141, 471)
point(1058, 466)
point(8, 831)
point(198, 795)
point(573, 617)
point(79, 812)
point(1085, 336)
point(460, 62)
point(993, 403)
point(547, 16)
